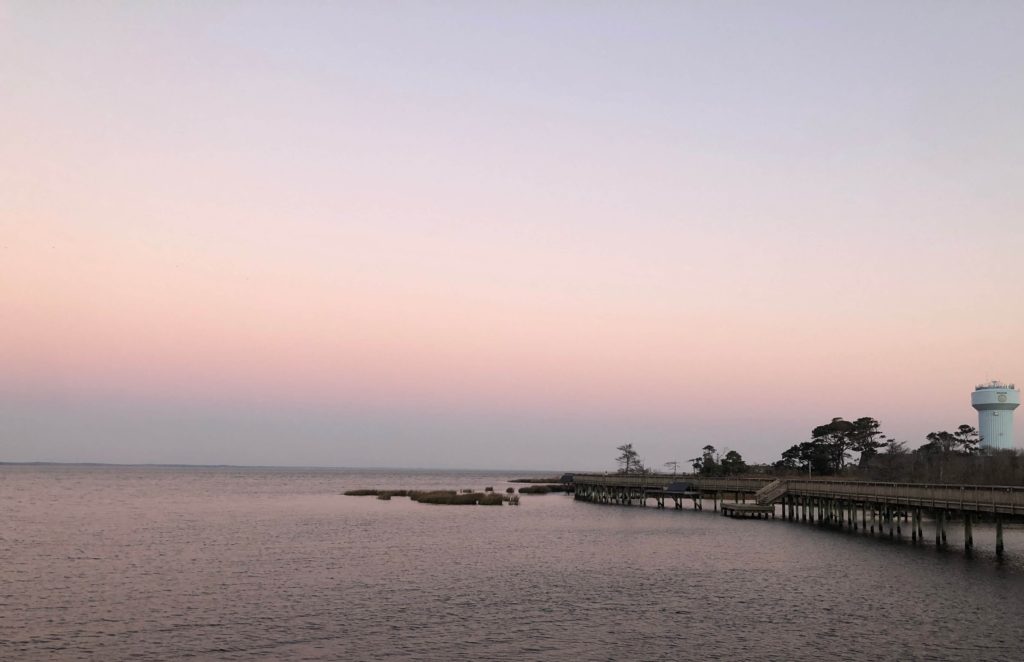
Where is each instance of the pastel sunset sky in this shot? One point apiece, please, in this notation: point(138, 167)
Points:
point(502, 234)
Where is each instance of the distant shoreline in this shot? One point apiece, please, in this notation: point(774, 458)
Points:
point(156, 465)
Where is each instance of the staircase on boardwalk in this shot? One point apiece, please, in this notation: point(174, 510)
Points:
point(770, 492)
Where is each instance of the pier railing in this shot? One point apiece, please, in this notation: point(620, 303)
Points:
point(662, 480)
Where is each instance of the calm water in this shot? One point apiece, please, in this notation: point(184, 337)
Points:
point(160, 563)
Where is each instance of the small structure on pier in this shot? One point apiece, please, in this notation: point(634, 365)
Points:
point(748, 510)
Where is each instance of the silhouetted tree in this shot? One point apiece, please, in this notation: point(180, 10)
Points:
point(968, 438)
point(866, 439)
point(707, 464)
point(942, 446)
point(733, 464)
point(834, 438)
point(629, 460)
point(814, 456)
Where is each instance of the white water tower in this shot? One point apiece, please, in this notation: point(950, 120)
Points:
point(995, 403)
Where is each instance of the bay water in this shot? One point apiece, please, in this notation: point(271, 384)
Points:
point(159, 563)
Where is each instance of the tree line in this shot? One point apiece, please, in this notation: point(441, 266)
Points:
point(858, 449)
point(709, 463)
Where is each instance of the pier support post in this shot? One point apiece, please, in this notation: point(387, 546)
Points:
point(968, 533)
point(999, 536)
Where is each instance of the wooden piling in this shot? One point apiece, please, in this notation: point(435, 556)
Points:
point(999, 536)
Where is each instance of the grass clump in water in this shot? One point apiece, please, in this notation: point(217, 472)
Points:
point(377, 493)
point(490, 499)
point(446, 497)
point(442, 497)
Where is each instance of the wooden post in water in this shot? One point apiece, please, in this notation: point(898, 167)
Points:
point(942, 526)
point(999, 536)
point(968, 534)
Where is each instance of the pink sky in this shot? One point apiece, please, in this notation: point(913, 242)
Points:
point(245, 209)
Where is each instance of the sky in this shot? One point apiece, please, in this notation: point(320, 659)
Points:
point(501, 234)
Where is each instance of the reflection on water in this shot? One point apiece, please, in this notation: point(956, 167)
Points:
point(155, 563)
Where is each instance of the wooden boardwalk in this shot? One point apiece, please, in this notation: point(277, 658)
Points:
point(856, 505)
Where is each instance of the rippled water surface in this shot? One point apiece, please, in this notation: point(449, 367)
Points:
point(220, 563)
